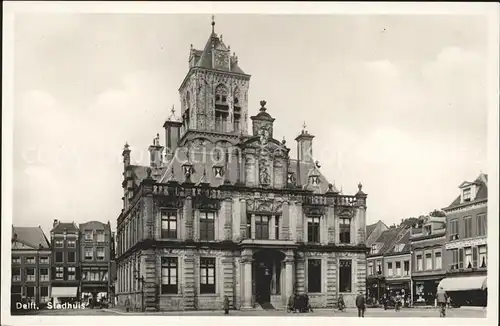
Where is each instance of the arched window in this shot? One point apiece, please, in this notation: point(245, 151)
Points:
point(221, 108)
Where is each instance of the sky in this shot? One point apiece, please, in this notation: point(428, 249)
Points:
point(397, 103)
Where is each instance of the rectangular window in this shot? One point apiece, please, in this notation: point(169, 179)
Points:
point(59, 273)
point(59, 257)
point(30, 260)
point(168, 225)
point(468, 257)
point(482, 256)
point(207, 226)
point(44, 274)
point(313, 229)
point(314, 275)
point(249, 226)
point(16, 260)
point(89, 254)
point(277, 227)
point(71, 243)
point(44, 260)
point(374, 249)
point(398, 268)
point(437, 260)
point(467, 194)
point(345, 275)
point(468, 227)
point(100, 253)
point(370, 268)
point(428, 261)
point(30, 292)
point(89, 235)
point(59, 243)
point(100, 236)
point(481, 224)
point(16, 274)
point(207, 275)
point(71, 257)
point(420, 263)
point(261, 227)
point(30, 274)
point(71, 273)
point(454, 229)
point(345, 230)
point(454, 259)
point(389, 269)
point(406, 268)
point(44, 294)
point(169, 275)
point(379, 267)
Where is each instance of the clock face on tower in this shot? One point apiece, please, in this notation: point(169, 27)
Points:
point(221, 59)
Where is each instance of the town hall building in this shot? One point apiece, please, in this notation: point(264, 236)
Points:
point(227, 212)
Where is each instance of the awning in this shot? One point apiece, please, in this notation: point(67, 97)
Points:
point(64, 292)
point(465, 283)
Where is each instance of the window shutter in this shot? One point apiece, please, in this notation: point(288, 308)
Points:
point(461, 258)
point(474, 257)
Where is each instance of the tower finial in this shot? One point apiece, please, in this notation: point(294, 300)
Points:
point(213, 24)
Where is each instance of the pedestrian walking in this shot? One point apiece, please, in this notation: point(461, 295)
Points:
point(127, 304)
point(397, 301)
point(360, 304)
point(226, 305)
point(442, 300)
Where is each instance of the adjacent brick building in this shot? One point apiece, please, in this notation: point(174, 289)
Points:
point(229, 212)
point(31, 257)
point(465, 254)
point(97, 254)
point(65, 261)
point(427, 240)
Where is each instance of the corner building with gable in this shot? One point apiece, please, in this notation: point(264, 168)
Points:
point(227, 211)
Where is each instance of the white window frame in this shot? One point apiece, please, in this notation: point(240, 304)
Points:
point(390, 270)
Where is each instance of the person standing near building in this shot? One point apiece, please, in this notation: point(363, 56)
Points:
point(226, 305)
point(442, 300)
point(360, 304)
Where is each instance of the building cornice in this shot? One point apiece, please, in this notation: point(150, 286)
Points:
point(466, 206)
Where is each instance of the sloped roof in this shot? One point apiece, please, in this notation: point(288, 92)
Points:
point(61, 226)
point(387, 239)
point(31, 236)
point(481, 194)
point(203, 58)
point(370, 228)
point(405, 239)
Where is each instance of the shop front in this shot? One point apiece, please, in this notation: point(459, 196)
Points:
point(393, 288)
point(375, 289)
point(424, 290)
point(466, 290)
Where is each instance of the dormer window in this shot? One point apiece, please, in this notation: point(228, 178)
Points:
point(315, 180)
point(218, 171)
point(374, 249)
point(399, 247)
point(427, 230)
point(467, 194)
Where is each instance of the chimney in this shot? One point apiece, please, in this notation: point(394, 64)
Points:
point(304, 146)
point(172, 136)
point(155, 152)
point(55, 223)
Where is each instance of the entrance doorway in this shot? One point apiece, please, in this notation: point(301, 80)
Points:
point(267, 272)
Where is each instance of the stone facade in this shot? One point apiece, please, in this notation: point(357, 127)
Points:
point(229, 213)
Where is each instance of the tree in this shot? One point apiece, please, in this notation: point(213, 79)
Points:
point(437, 213)
point(409, 222)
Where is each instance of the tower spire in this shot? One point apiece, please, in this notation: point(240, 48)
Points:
point(213, 24)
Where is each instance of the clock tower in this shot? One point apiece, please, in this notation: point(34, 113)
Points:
point(214, 93)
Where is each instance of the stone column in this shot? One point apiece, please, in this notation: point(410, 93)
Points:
point(188, 220)
point(289, 278)
point(253, 226)
point(246, 264)
point(227, 212)
point(243, 219)
point(272, 227)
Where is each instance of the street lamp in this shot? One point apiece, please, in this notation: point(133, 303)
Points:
point(140, 278)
